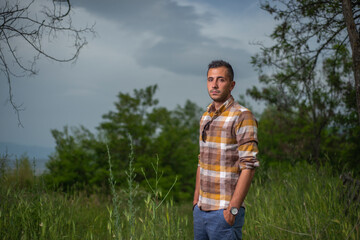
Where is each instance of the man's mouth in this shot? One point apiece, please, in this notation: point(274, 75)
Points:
point(214, 91)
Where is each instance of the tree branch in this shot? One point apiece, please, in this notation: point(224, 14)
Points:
point(19, 22)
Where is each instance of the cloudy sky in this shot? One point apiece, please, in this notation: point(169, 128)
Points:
point(138, 43)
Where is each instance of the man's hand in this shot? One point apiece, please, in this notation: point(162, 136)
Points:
point(194, 203)
point(229, 218)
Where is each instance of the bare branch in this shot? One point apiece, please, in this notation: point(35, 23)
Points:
point(20, 21)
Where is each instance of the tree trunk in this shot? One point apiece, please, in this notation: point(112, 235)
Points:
point(355, 47)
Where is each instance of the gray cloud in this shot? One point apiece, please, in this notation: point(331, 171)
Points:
point(163, 17)
point(192, 59)
point(181, 47)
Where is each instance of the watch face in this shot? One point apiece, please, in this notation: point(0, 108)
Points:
point(234, 211)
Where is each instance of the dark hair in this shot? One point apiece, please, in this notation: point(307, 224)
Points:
point(221, 63)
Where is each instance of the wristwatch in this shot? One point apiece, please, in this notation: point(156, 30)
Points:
point(234, 211)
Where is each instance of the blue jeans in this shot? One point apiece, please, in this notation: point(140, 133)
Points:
point(211, 225)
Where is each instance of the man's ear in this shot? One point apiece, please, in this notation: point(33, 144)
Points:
point(232, 84)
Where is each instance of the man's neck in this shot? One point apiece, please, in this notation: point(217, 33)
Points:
point(217, 105)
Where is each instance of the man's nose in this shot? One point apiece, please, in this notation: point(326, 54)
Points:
point(215, 84)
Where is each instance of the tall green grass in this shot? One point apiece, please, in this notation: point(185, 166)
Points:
point(299, 202)
point(43, 215)
point(154, 221)
point(284, 202)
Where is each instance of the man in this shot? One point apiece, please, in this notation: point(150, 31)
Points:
point(227, 159)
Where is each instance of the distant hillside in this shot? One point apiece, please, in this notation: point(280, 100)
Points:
point(39, 154)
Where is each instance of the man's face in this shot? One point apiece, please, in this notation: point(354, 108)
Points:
point(219, 84)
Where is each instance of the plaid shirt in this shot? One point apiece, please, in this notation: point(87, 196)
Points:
point(230, 135)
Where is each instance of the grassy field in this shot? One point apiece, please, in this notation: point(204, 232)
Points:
point(57, 216)
point(284, 202)
point(300, 203)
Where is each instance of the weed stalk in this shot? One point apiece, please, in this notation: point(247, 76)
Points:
point(153, 202)
point(115, 199)
point(131, 193)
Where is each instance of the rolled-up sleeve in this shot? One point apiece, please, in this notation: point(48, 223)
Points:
point(246, 136)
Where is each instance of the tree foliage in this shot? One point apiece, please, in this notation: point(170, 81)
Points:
point(308, 83)
point(78, 160)
point(157, 133)
point(308, 32)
